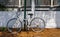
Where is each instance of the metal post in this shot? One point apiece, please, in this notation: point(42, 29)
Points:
point(24, 15)
point(33, 7)
point(19, 5)
point(51, 3)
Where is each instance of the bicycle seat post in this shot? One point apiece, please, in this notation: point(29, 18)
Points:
point(30, 14)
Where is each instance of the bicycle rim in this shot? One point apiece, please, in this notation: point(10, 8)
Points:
point(14, 25)
point(37, 24)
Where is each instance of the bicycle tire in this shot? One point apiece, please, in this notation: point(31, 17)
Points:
point(10, 25)
point(40, 26)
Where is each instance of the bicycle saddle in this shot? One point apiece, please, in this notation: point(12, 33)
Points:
point(30, 14)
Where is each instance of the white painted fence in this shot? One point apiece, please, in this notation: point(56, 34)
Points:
point(52, 21)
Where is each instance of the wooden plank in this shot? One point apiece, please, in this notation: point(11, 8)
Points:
point(46, 33)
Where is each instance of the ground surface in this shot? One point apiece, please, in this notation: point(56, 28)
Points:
point(45, 33)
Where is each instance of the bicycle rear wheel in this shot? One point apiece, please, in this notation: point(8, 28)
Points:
point(37, 24)
point(14, 25)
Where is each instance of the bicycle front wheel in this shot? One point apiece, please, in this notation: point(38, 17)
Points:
point(14, 25)
point(37, 24)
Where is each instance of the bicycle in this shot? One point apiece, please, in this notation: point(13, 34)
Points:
point(35, 22)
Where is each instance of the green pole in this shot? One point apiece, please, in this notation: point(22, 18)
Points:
point(24, 15)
